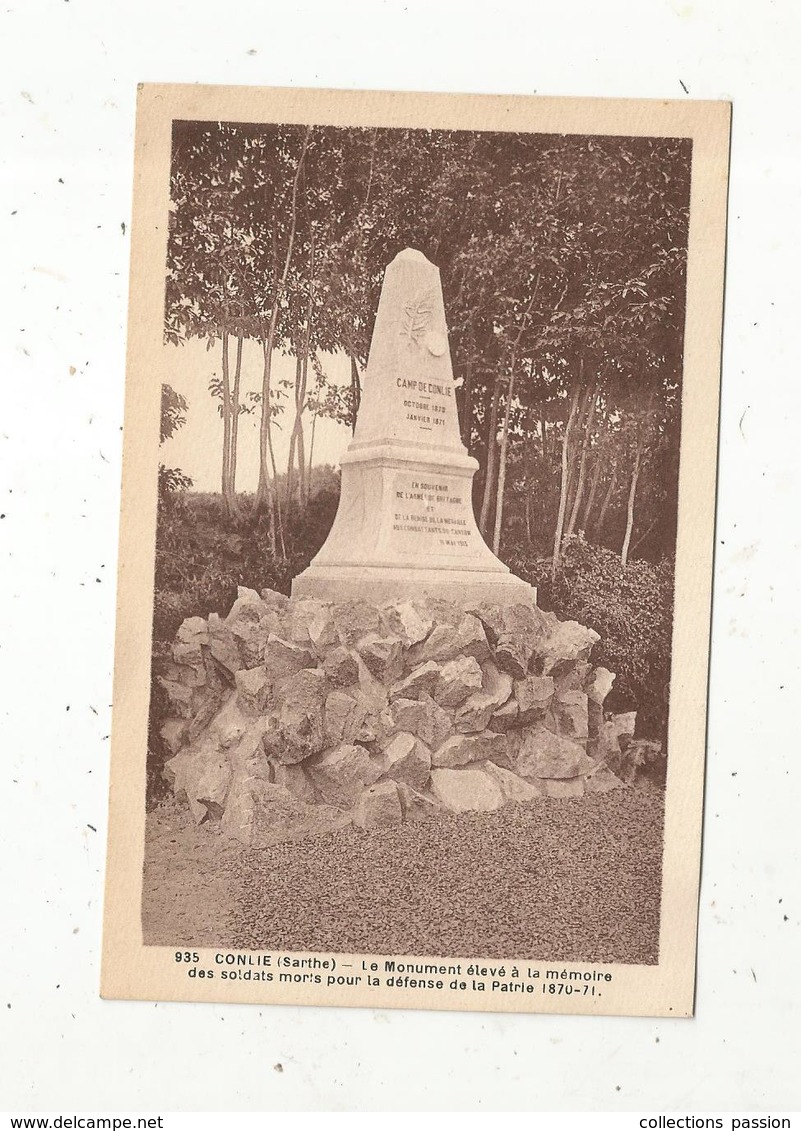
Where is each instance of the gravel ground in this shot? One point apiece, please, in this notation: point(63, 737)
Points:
point(553, 880)
point(559, 879)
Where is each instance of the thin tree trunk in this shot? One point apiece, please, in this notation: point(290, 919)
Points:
point(624, 553)
point(496, 537)
point(599, 526)
point(225, 485)
point(311, 454)
point(265, 434)
point(489, 474)
point(644, 535)
point(235, 423)
point(289, 484)
point(267, 486)
point(226, 419)
point(560, 518)
point(583, 461)
point(596, 477)
point(642, 435)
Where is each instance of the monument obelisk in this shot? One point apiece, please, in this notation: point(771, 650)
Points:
point(405, 525)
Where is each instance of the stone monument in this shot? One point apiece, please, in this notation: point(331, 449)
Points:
point(405, 526)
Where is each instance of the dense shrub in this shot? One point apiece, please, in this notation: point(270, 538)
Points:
point(631, 609)
point(202, 555)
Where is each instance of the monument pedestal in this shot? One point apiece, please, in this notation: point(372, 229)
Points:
point(405, 526)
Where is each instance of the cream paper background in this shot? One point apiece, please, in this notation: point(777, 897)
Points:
point(68, 105)
point(131, 970)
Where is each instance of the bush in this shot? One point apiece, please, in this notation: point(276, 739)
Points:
point(631, 609)
point(202, 555)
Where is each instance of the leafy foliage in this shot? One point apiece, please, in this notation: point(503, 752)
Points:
point(631, 609)
point(202, 554)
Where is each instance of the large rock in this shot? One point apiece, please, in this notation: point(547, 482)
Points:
point(322, 630)
point(341, 667)
point(466, 790)
point(189, 654)
point(473, 638)
point(603, 781)
point(297, 731)
point(465, 748)
point(224, 646)
point(174, 734)
point(254, 688)
point(382, 655)
point(569, 710)
point(276, 602)
point(543, 754)
point(247, 753)
point(340, 775)
point(193, 630)
point(408, 620)
point(406, 759)
point(201, 778)
point(598, 685)
point(421, 681)
point(513, 632)
point(643, 760)
point(355, 619)
point(296, 781)
point(533, 695)
point(506, 717)
point(565, 644)
point(180, 698)
point(477, 710)
point(423, 718)
point(310, 623)
point(417, 806)
point(512, 786)
point(613, 735)
point(574, 678)
point(339, 720)
point(444, 643)
point(284, 658)
point(378, 807)
point(260, 814)
point(457, 681)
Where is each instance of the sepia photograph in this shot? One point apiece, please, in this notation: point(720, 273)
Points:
point(414, 491)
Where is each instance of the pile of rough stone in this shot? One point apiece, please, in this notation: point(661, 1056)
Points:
point(295, 716)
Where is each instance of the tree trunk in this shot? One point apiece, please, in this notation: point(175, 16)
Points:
point(489, 473)
point(596, 477)
point(267, 486)
point(235, 424)
point(624, 553)
point(599, 526)
point(226, 419)
point(528, 510)
point(289, 484)
point(229, 499)
point(583, 461)
point(311, 454)
point(264, 491)
point(560, 518)
point(264, 495)
point(496, 537)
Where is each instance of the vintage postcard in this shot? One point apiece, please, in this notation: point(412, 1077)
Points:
point(416, 550)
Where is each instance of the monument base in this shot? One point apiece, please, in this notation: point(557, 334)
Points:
point(382, 584)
